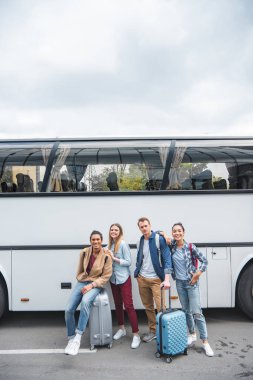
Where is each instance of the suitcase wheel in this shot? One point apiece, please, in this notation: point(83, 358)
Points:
point(92, 348)
point(168, 360)
point(109, 345)
point(157, 355)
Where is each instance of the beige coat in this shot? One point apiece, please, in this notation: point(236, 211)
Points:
point(101, 270)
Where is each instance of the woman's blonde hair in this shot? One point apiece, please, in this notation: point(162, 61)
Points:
point(119, 238)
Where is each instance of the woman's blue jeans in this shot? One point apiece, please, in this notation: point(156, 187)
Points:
point(86, 301)
point(190, 300)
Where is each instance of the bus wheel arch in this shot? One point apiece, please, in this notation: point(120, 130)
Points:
point(3, 295)
point(244, 290)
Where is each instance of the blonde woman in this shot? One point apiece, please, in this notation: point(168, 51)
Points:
point(121, 284)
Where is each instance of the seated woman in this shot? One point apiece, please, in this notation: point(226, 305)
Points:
point(93, 272)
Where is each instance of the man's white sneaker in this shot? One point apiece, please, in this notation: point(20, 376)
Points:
point(68, 346)
point(207, 349)
point(191, 339)
point(74, 347)
point(119, 334)
point(136, 341)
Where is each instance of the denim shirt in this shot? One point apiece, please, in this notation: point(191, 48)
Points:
point(121, 270)
point(190, 268)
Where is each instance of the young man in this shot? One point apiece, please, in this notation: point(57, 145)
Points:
point(153, 267)
point(93, 272)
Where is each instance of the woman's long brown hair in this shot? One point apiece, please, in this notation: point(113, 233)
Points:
point(118, 240)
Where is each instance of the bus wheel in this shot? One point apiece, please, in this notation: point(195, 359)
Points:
point(3, 300)
point(245, 291)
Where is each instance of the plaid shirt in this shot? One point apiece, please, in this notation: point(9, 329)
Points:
point(190, 268)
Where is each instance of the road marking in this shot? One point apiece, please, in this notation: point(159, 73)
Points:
point(44, 351)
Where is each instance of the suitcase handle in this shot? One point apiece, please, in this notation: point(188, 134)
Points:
point(170, 308)
point(163, 311)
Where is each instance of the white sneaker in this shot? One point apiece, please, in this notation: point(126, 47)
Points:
point(119, 334)
point(191, 339)
point(136, 341)
point(68, 346)
point(74, 347)
point(207, 349)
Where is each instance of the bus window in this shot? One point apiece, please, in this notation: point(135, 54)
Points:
point(210, 166)
point(22, 166)
point(90, 167)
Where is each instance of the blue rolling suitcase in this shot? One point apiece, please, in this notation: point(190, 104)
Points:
point(171, 332)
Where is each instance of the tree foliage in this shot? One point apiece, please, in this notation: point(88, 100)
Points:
point(130, 177)
point(134, 177)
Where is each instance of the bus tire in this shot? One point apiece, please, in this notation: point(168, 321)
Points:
point(3, 299)
point(245, 291)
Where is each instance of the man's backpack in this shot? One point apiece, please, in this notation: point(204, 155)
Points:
point(157, 242)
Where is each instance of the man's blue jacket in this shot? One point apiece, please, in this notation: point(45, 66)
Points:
point(162, 266)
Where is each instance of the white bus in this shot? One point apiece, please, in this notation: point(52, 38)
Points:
point(55, 192)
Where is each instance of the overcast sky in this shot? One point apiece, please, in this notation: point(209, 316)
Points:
point(77, 68)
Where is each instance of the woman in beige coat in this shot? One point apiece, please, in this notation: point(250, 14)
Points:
point(94, 271)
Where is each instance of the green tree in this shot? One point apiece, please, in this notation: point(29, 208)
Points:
point(7, 175)
point(134, 178)
point(130, 177)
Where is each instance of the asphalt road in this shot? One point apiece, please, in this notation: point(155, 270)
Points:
point(230, 335)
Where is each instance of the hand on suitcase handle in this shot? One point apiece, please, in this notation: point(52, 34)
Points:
point(165, 285)
point(162, 304)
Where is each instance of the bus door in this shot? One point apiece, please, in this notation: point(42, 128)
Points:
point(219, 277)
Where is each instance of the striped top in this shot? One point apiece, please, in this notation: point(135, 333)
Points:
point(179, 264)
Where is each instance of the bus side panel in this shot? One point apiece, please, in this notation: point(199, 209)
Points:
point(69, 220)
point(5, 270)
point(37, 276)
point(219, 277)
point(203, 284)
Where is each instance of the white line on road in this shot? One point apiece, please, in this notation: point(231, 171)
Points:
point(44, 351)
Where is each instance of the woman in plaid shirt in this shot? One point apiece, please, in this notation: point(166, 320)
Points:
point(186, 272)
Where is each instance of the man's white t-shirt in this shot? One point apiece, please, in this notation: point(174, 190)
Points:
point(147, 269)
